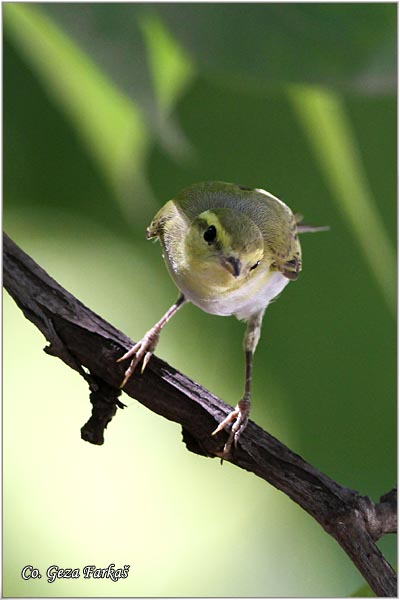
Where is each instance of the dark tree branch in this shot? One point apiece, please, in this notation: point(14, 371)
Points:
point(384, 516)
point(90, 345)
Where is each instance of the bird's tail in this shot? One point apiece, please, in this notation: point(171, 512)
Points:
point(304, 228)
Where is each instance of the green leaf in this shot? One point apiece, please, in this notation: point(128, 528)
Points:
point(107, 120)
point(325, 122)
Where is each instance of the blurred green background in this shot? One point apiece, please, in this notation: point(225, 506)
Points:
point(109, 110)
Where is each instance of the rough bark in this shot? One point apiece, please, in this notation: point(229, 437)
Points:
point(90, 345)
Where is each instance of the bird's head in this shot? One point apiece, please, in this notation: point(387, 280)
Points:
point(225, 241)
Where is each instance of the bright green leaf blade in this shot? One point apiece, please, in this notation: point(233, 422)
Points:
point(134, 49)
point(172, 70)
point(323, 117)
point(107, 120)
point(347, 45)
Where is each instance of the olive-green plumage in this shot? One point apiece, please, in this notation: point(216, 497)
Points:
point(271, 216)
point(230, 250)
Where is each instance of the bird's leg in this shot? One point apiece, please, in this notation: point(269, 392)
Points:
point(144, 349)
point(240, 416)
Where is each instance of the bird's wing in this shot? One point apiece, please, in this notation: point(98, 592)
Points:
point(170, 211)
point(290, 264)
point(284, 246)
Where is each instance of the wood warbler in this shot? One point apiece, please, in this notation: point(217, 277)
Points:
point(230, 250)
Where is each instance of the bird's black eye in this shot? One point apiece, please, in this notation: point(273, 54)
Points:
point(255, 266)
point(210, 234)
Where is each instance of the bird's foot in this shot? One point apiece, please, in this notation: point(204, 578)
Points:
point(143, 350)
point(239, 417)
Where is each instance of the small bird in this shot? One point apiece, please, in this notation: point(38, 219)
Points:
point(230, 250)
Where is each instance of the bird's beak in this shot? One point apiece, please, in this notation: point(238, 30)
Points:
point(232, 264)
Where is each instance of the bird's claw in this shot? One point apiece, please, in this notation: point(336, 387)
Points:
point(142, 351)
point(239, 417)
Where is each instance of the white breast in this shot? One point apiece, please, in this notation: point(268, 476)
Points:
point(243, 302)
